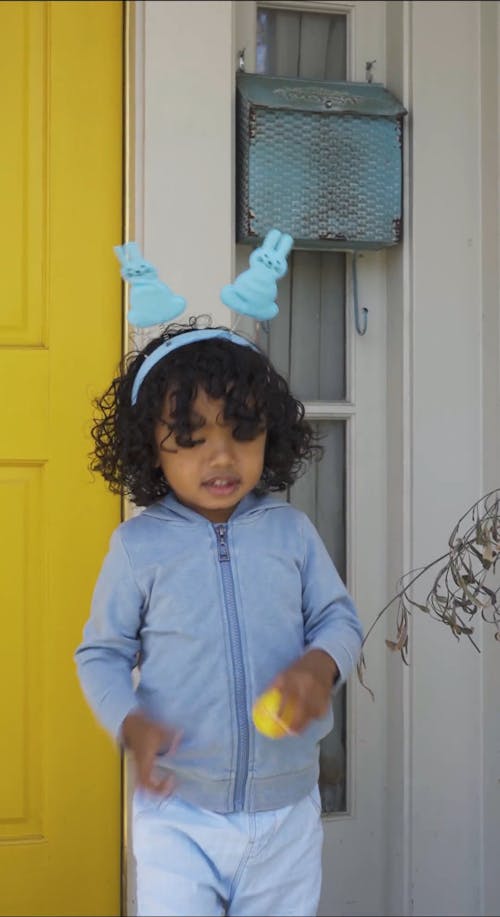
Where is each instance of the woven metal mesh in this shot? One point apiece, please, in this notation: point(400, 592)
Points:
point(333, 179)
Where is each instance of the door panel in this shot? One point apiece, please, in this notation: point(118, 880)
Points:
point(60, 335)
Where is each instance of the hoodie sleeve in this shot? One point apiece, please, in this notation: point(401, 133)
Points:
point(110, 644)
point(331, 622)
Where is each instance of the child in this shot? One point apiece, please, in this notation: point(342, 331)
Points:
point(216, 591)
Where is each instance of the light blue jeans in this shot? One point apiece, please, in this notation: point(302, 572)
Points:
point(194, 862)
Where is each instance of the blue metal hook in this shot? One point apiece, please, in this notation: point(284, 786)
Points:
point(360, 327)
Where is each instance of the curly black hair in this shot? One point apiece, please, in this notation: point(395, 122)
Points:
point(256, 397)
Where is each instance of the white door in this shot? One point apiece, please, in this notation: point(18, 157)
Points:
point(341, 377)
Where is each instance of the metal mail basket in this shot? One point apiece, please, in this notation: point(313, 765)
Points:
point(320, 160)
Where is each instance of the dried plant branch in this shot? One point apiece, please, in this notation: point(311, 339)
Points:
point(459, 592)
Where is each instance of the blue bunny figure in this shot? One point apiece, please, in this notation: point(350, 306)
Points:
point(151, 301)
point(254, 291)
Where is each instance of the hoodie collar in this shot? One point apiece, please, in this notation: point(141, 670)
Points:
point(251, 504)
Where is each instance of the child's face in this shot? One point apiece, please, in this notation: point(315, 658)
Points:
point(213, 475)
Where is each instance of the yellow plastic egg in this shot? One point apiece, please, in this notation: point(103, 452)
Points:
point(265, 715)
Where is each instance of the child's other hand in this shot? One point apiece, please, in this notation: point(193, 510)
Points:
point(145, 738)
point(306, 685)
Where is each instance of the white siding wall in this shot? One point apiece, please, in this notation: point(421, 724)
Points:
point(443, 345)
point(187, 196)
point(399, 309)
point(446, 697)
point(490, 287)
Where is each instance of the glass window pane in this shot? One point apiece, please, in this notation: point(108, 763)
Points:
point(310, 45)
point(333, 760)
point(306, 342)
point(321, 493)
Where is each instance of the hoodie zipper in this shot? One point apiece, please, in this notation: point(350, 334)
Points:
point(238, 668)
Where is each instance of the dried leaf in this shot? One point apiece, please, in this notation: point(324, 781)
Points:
point(392, 645)
point(361, 668)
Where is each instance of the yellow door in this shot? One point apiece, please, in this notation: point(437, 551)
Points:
point(60, 337)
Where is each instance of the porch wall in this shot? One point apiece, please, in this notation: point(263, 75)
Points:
point(444, 426)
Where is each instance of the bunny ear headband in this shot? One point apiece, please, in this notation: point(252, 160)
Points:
point(152, 302)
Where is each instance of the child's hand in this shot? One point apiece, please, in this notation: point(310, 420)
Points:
point(146, 738)
point(306, 686)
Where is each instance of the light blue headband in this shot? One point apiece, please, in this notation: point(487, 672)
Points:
point(152, 302)
point(181, 340)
